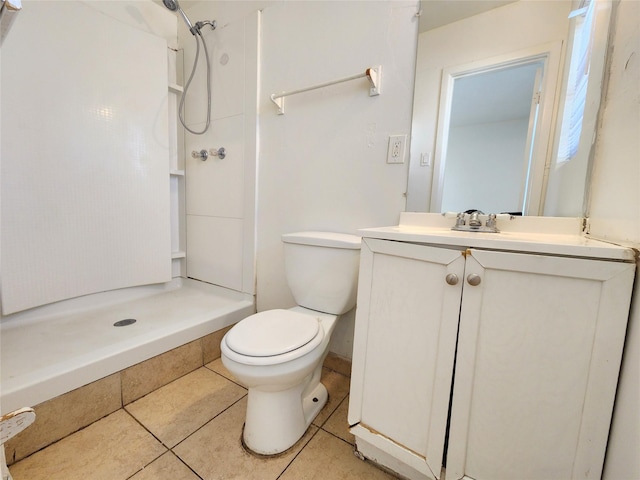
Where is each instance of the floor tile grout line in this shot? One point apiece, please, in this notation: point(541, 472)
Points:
point(161, 386)
point(148, 431)
point(65, 437)
point(353, 445)
point(345, 399)
point(337, 372)
point(146, 466)
point(354, 450)
point(330, 413)
point(171, 449)
point(225, 377)
point(336, 436)
point(318, 428)
point(204, 424)
point(186, 465)
point(167, 449)
point(299, 452)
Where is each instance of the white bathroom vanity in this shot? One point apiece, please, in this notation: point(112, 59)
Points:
point(488, 356)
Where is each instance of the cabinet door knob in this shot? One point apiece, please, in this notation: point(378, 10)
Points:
point(474, 279)
point(452, 279)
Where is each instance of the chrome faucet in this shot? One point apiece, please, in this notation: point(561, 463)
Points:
point(491, 221)
point(474, 219)
point(475, 222)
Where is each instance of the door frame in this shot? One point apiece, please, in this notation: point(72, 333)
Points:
point(551, 55)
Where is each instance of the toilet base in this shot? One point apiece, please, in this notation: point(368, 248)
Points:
point(277, 420)
point(313, 403)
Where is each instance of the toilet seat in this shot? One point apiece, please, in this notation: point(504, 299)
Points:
point(273, 336)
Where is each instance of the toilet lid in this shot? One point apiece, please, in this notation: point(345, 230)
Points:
point(272, 332)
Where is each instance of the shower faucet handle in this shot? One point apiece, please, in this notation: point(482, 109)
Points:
point(220, 153)
point(202, 154)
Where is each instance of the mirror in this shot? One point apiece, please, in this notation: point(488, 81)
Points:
point(491, 92)
point(489, 118)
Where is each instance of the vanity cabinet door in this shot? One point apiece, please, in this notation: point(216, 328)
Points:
point(404, 348)
point(538, 357)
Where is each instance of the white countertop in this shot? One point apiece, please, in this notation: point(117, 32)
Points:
point(543, 235)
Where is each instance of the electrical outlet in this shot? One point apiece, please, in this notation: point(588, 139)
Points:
point(397, 143)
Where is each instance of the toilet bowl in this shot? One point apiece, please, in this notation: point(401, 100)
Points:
point(278, 354)
point(285, 393)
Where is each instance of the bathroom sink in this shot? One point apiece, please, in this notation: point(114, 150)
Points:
point(547, 235)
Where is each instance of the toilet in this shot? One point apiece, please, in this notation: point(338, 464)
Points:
point(278, 354)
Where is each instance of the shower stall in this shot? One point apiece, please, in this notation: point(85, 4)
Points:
point(105, 216)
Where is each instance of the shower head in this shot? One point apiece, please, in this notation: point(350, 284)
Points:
point(174, 6)
point(171, 4)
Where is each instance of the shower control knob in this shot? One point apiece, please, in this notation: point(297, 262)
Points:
point(220, 152)
point(202, 155)
point(452, 279)
point(474, 279)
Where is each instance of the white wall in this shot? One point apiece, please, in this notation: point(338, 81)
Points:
point(85, 169)
point(323, 163)
point(485, 167)
point(500, 31)
point(615, 216)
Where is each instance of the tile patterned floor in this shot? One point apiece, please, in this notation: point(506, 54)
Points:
point(190, 430)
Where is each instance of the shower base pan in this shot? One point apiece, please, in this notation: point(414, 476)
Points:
point(51, 350)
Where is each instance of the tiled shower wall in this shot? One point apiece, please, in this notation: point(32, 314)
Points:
point(220, 193)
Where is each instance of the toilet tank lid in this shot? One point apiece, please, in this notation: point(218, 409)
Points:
point(324, 239)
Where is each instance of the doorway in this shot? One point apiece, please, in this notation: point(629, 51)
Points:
point(493, 132)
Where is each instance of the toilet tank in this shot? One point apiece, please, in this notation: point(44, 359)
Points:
point(322, 270)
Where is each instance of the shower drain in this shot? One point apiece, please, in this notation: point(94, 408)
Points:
point(125, 322)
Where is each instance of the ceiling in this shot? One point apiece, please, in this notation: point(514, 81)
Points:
point(499, 95)
point(436, 13)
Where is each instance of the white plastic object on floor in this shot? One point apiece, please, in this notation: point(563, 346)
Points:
point(10, 425)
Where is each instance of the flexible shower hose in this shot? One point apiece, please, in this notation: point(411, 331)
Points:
point(186, 87)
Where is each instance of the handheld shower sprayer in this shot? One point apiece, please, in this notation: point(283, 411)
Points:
point(195, 30)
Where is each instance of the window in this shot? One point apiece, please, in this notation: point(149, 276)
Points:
point(576, 95)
